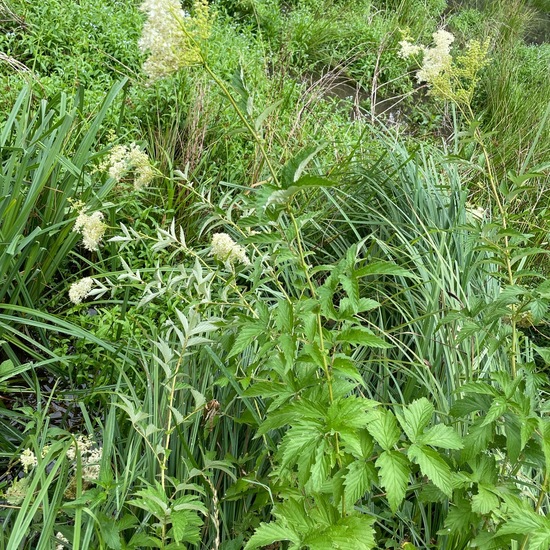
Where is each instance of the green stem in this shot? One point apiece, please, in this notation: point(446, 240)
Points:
point(253, 133)
point(311, 287)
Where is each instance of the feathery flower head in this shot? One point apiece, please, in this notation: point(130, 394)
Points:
point(28, 460)
point(17, 492)
point(80, 290)
point(436, 59)
point(92, 228)
point(173, 37)
point(62, 541)
point(408, 49)
point(126, 159)
point(226, 250)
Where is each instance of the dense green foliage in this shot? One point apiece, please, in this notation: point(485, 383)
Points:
point(284, 294)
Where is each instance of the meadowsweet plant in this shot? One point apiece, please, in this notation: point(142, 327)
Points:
point(226, 250)
point(129, 161)
point(28, 460)
point(80, 290)
point(172, 37)
point(92, 228)
point(448, 78)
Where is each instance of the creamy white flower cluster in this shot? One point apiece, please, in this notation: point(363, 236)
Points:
point(28, 460)
point(435, 59)
point(90, 455)
point(164, 38)
point(63, 542)
point(15, 494)
point(126, 159)
point(92, 228)
point(80, 290)
point(225, 249)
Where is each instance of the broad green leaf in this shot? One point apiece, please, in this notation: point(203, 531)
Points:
point(415, 417)
point(432, 466)
point(477, 439)
point(358, 480)
point(350, 532)
point(485, 501)
point(544, 427)
point(320, 468)
point(383, 427)
point(186, 526)
point(247, 334)
point(382, 267)
point(498, 407)
point(294, 168)
point(269, 533)
point(393, 469)
point(345, 366)
point(540, 540)
point(351, 287)
point(441, 436)
point(521, 523)
point(362, 336)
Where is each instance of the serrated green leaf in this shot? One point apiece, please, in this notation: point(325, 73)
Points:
point(432, 466)
point(394, 469)
point(350, 532)
point(485, 501)
point(362, 336)
point(345, 366)
point(359, 478)
point(498, 407)
point(247, 334)
point(382, 267)
point(293, 168)
point(320, 468)
point(383, 427)
point(477, 439)
point(351, 287)
point(441, 436)
point(525, 522)
point(540, 540)
point(269, 533)
point(415, 417)
point(185, 526)
point(109, 531)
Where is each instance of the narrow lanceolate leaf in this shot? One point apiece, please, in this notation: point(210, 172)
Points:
point(415, 417)
point(441, 436)
point(269, 533)
point(359, 479)
point(432, 466)
point(393, 469)
point(383, 427)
